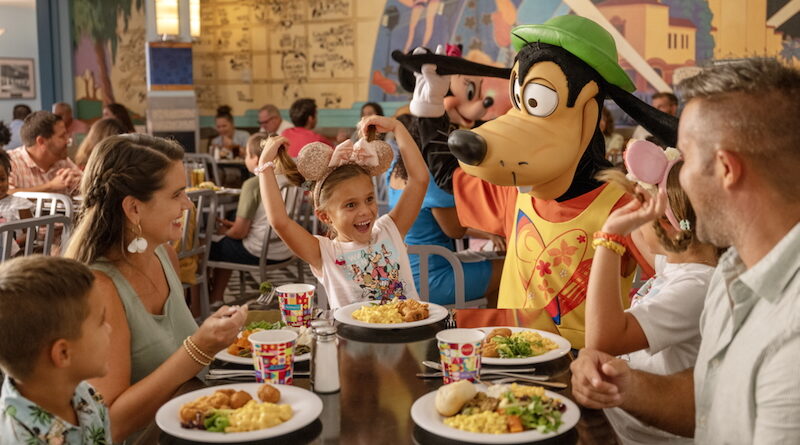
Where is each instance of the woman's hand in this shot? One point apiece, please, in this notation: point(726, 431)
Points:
point(271, 147)
point(636, 213)
point(382, 124)
point(220, 329)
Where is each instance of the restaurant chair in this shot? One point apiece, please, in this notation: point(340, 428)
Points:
point(208, 162)
point(381, 192)
point(49, 203)
point(195, 241)
point(292, 197)
point(425, 251)
point(31, 227)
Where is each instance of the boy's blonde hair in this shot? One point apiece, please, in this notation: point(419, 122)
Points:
point(42, 299)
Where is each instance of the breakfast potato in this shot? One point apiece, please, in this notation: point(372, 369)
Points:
point(239, 399)
point(268, 393)
point(498, 332)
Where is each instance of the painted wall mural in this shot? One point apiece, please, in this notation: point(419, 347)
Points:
point(254, 52)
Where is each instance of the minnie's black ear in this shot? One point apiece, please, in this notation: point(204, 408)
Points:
point(662, 125)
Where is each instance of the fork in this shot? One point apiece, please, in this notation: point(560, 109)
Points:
point(450, 322)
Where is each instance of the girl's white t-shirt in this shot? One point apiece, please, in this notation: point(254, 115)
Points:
point(668, 309)
point(353, 272)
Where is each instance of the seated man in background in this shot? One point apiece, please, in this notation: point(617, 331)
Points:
point(270, 120)
point(41, 164)
point(74, 126)
point(304, 116)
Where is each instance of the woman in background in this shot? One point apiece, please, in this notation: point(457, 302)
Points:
point(100, 130)
point(229, 137)
point(120, 113)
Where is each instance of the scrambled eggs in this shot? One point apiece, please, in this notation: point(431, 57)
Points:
point(485, 422)
point(539, 344)
point(257, 416)
point(386, 313)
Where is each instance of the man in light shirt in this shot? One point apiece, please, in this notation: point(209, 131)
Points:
point(741, 145)
point(666, 102)
point(270, 121)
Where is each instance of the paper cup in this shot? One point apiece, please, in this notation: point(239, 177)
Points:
point(295, 303)
point(273, 355)
point(460, 353)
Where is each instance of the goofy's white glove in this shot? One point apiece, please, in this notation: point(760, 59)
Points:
point(429, 92)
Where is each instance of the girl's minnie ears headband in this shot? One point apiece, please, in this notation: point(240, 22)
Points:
point(649, 165)
point(317, 160)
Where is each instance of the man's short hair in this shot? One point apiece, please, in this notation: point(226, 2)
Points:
point(272, 110)
point(749, 107)
point(61, 104)
point(42, 299)
point(673, 99)
point(40, 123)
point(21, 111)
point(301, 110)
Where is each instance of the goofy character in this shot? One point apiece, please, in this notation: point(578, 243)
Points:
point(529, 175)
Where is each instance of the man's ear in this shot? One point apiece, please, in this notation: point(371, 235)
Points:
point(41, 140)
point(731, 167)
point(60, 354)
point(132, 207)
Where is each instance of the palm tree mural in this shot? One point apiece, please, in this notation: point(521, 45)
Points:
point(97, 19)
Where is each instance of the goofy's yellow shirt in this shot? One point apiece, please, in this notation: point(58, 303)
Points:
point(549, 247)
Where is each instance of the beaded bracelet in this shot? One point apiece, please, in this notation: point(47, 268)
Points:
point(198, 350)
point(263, 167)
point(194, 357)
point(610, 236)
point(614, 246)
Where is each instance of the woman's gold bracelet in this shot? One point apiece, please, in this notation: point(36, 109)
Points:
point(198, 350)
point(191, 354)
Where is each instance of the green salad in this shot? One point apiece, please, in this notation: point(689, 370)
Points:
point(265, 325)
point(534, 412)
point(511, 347)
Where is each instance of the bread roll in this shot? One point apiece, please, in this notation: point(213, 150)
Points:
point(450, 398)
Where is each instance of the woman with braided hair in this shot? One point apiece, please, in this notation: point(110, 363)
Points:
point(134, 199)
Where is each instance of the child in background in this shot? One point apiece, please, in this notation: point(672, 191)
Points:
point(660, 332)
point(53, 336)
point(365, 258)
point(12, 208)
point(245, 237)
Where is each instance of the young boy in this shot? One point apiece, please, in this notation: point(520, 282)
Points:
point(245, 237)
point(53, 336)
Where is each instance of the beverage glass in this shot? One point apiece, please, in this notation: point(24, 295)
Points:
point(198, 174)
point(273, 355)
point(295, 303)
point(460, 354)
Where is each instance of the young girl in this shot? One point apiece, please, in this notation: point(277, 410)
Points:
point(366, 257)
point(12, 208)
point(660, 332)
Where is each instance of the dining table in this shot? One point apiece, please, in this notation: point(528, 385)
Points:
point(378, 377)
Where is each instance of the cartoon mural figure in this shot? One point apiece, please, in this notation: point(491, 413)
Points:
point(534, 168)
point(375, 271)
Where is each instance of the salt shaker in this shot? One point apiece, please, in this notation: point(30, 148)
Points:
point(324, 360)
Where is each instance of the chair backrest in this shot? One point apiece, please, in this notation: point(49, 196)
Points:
point(424, 251)
point(49, 203)
point(31, 227)
point(381, 192)
point(199, 224)
point(212, 169)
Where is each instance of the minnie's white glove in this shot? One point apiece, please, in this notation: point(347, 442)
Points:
point(429, 92)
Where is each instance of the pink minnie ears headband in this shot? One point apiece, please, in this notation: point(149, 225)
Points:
point(649, 165)
point(317, 160)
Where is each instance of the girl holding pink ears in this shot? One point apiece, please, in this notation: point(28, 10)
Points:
point(660, 332)
point(343, 193)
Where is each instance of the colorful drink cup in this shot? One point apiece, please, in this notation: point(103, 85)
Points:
point(273, 355)
point(460, 353)
point(295, 303)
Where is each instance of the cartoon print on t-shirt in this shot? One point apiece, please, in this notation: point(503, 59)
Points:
point(376, 272)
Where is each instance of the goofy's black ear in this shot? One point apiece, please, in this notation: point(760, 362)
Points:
point(662, 125)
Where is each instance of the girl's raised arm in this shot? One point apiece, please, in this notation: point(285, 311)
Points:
point(405, 212)
point(302, 243)
point(609, 328)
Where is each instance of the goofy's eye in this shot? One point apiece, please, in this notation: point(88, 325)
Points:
point(470, 90)
point(539, 100)
point(515, 99)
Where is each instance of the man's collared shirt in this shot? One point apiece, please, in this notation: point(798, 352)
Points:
point(747, 379)
point(26, 174)
point(24, 422)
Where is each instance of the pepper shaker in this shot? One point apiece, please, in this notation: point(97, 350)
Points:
point(325, 360)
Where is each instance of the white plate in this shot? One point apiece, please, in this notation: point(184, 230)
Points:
point(425, 415)
point(306, 407)
point(230, 358)
point(563, 347)
point(345, 315)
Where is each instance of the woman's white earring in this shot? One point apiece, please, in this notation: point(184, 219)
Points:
point(138, 244)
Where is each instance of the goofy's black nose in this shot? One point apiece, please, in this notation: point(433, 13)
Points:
point(468, 147)
point(488, 102)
